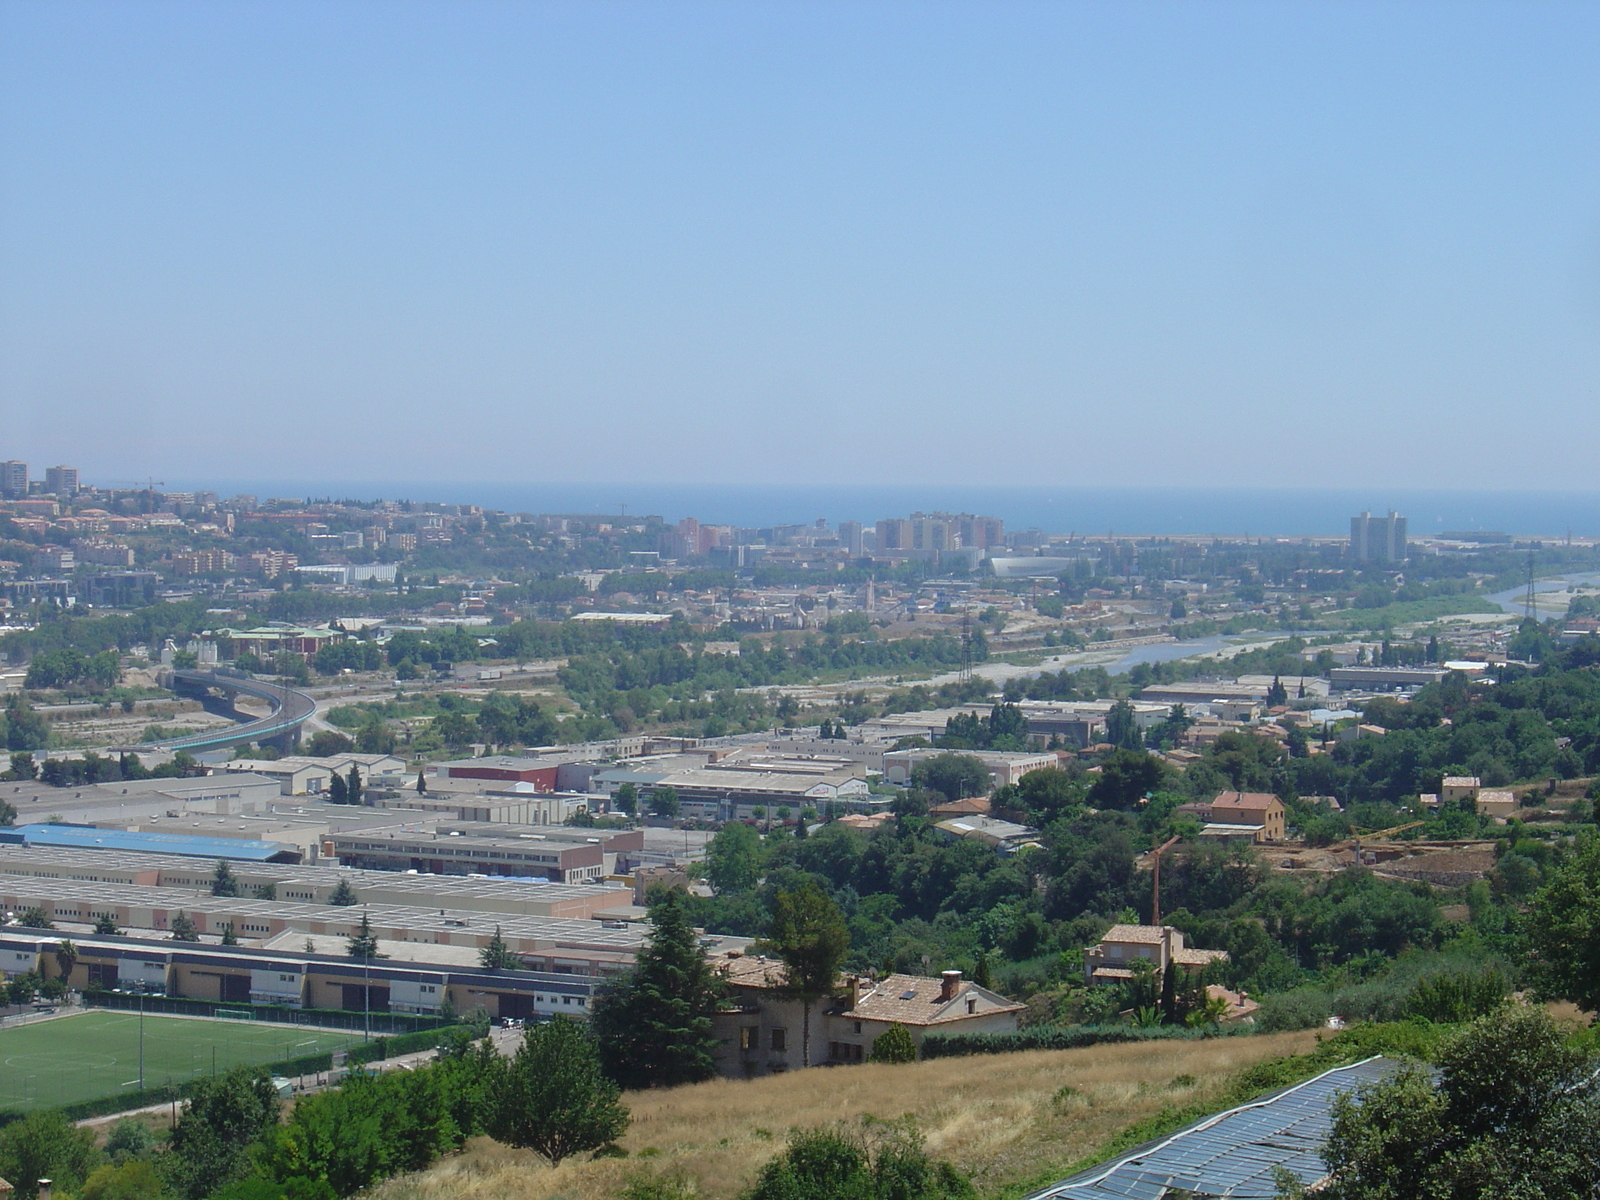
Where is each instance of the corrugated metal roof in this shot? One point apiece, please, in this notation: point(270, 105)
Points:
point(1232, 1154)
point(165, 843)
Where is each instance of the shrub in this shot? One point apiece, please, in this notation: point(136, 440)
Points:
point(894, 1045)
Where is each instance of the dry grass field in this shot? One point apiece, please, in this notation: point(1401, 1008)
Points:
point(1001, 1118)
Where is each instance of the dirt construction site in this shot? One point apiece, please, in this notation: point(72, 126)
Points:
point(1442, 863)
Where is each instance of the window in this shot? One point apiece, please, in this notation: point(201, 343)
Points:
point(748, 1036)
point(778, 1039)
point(972, 1004)
point(858, 1026)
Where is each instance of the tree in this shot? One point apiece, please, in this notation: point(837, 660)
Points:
point(1564, 929)
point(264, 891)
point(45, 1145)
point(733, 858)
point(106, 926)
point(664, 801)
point(1122, 729)
point(66, 958)
point(223, 881)
point(133, 1179)
point(832, 1164)
point(982, 974)
point(955, 776)
point(229, 937)
point(654, 1027)
point(1277, 694)
point(808, 934)
point(344, 896)
point(25, 729)
point(422, 784)
point(553, 1099)
point(352, 785)
point(183, 929)
point(325, 743)
point(22, 766)
point(625, 799)
point(223, 1116)
point(129, 1139)
point(894, 1045)
point(363, 943)
point(497, 956)
point(338, 793)
point(35, 918)
point(1516, 1113)
point(1126, 777)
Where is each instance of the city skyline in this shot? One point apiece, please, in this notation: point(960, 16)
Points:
point(1329, 246)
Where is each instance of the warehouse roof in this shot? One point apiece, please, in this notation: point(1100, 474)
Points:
point(89, 837)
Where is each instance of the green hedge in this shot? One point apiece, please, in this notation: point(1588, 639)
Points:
point(1061, 1037)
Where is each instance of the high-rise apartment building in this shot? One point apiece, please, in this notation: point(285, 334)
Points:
point(850, 538)
point(939, 531)
point(13, 479)
point(1378, 539)
point(894, 534)
point(61, 481)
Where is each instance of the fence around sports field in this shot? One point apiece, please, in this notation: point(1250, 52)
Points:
point(321, 1018)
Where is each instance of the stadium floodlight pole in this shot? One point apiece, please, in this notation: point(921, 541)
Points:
point(141, 1039)
point(366, 984)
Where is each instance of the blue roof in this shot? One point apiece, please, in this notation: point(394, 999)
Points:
point(89, 838)
point(1233, 1153)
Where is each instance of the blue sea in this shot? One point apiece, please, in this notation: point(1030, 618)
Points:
point(1231, 512)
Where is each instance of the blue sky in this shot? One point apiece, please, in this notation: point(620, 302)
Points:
point(1246, 244)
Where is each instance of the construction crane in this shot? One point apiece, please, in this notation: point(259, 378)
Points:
point(1155, 880)
point(1383, 833)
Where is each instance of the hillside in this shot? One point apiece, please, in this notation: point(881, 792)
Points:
point(1002, 1118)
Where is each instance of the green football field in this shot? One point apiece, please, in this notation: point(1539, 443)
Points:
point(88, 1055)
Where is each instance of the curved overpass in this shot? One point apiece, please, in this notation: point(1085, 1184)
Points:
point(289, 709)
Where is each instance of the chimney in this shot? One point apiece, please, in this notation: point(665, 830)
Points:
point(855, 992)
point(44, 1189)
point(949, 985)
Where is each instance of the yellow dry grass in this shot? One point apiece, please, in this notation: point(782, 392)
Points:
point(1000, 1118)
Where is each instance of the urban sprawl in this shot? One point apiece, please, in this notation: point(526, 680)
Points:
point(396, 757)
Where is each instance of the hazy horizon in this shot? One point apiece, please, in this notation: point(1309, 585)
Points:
point(1198, 245)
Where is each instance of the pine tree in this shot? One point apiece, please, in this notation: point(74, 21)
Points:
point(183, 929)
point(497, 956)
point(808, 933)
point(653, 1027)
point(422, 784)
point(343, 895)
point(223, 881)
point(229, 938)
point(352, 786)
point(336, 789)
point(363, 943)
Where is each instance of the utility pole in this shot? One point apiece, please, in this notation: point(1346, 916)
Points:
point(1155, 884)
point(1531, 605)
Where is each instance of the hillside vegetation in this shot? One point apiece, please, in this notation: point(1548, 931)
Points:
point(1005, 1119)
